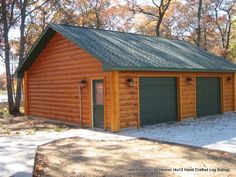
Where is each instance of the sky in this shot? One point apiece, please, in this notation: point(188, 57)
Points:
point(14, 34)
point(2, 68)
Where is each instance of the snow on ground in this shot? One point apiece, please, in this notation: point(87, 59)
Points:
point(213, 132)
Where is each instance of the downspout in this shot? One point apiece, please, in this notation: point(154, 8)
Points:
point(80, 106)
point(82, 84)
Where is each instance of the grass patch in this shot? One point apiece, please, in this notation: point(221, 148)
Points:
point(58, 129)
point(21, 125)
point(3, 92)
point(4, 110)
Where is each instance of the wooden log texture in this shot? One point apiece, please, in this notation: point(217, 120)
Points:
point(53, 83)
point(129, 98)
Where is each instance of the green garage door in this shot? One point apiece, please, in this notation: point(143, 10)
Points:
point(208, 96)
point(158, 100)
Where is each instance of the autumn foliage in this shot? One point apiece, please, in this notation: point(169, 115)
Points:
point(3, 81)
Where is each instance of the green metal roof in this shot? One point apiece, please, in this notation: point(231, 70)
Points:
point(126, 51)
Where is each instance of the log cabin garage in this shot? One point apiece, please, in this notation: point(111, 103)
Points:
point(115, 80)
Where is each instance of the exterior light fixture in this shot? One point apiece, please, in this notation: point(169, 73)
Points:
point(189, 80)
point(229, 80)
point(130, 82)
point(83, 83)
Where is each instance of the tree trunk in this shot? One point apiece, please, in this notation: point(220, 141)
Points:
point(161, 13)
point(7, 58)
point(97, 15)
point(98, 23)
point(158, 26)
point(11, 109)
point(205, 38)
point(199, 12)
point(18, 95)
point(21, 54)
point(228, 32)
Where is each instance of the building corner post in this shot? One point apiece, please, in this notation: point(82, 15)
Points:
point(179, 98)
point(222, 94)
point(115, 101)
point(25, 83)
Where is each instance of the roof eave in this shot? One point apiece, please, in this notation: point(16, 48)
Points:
point(52, 29)
point(167, 69)
point(35, 50)
point(42, 42)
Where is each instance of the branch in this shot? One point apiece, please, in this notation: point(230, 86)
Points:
point(32, 3)
point(147, 13)
point(1, 56)
point(12, 12)
point(165, 7)
point(15, 20)
point(153, 1)
point(28, 29)
point(36, 8)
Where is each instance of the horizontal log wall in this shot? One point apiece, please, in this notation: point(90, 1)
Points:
point(188, 96)
point(129, 98)
point(228, 92)
point(128, 101)
point(53, 83)
point(53, 92)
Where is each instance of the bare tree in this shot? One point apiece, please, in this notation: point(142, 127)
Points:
point(224, 22)
point(161, 8)
point(15, 13)
point(24, 5)
point(7, 21)
point(199, 16)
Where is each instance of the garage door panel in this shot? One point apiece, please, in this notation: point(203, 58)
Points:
point(208, 96)
point(158, 100)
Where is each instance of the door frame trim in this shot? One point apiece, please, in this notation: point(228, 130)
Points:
point(178, 94)
point(91, 100)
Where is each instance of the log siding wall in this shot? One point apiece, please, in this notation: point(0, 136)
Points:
point(53, 83)
point(129, 98)
point(228, 93)
point(52, 87)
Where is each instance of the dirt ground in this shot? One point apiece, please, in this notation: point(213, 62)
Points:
point(78, 157)
point(20, 125)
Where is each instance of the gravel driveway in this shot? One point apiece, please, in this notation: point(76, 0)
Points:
point(216, 132)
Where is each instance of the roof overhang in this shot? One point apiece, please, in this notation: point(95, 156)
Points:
point(35, 50)
point(167, 69)
point(52, 29)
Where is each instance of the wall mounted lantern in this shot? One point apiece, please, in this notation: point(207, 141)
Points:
point(189, 80)
point(83, 83)
point(130, 82)
point(229, 80)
